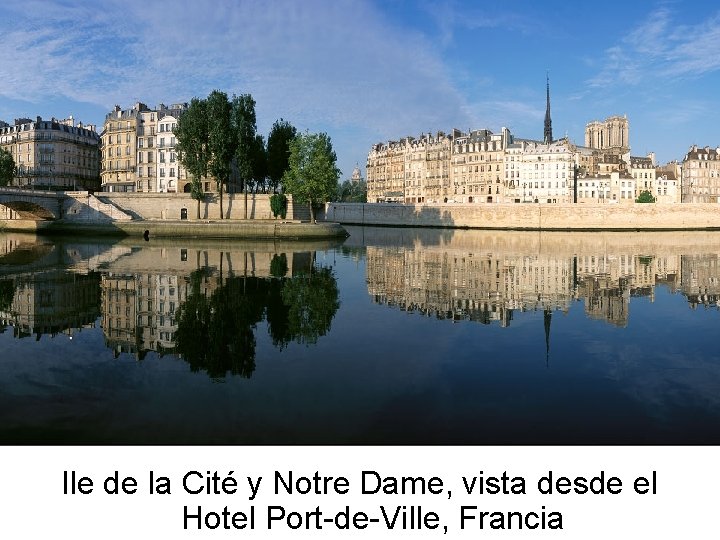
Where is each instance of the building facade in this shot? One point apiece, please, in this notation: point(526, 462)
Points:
point(53, 154)
point(642, 169)
point(540, 172)
point(138, 150)
point(478, 166)
point(385, 172)
point(701, 175)
point(613, 188)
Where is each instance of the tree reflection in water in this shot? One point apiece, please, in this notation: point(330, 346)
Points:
point(7, 293)
point(216, 334)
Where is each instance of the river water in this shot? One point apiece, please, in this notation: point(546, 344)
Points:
point(394, 336)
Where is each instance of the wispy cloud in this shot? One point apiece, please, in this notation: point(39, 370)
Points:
point(660, 48)
point(319, 64)
point(338, 62)
point(451, 16)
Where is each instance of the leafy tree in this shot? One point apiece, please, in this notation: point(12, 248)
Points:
point(350, 191)
point(221, 142)
point(196, 192)
point(278, 205)
point(244, 129)
point(259, 163)
point(7, 167)
point(645, 197)
point(312, 174)
point(278, 151)
point(193, 146)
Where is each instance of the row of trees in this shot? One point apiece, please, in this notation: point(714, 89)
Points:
point(217, 134)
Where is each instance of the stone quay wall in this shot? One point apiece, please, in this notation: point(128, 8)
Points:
point(557, 217)
point(170, 206)
point(185, 229)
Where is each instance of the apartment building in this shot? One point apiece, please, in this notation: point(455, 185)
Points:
point(138, 150)
point(478, 165)
point(53, 154)
point(615, 187)
point(642, 169)
point(385, 172)
point(540, 172)
point(700, 179)
point(427, 168)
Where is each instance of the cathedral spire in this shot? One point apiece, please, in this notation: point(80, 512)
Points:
point(547, 138)
point(547, 319)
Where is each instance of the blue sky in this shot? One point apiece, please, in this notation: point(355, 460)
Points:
point(367, 72)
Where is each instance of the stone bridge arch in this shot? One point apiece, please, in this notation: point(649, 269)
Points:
point(41, 206)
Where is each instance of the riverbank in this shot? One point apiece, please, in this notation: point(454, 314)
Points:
point(535, 217)
point(241, 229)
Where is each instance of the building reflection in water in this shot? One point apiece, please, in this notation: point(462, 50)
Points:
point(204, 305)
point(143, 295)
point(494, 277)
point(49, 303)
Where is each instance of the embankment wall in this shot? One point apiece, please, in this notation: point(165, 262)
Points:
point(170, 206)
point(530, 216)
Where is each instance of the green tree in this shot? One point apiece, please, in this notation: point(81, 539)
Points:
point(244, 129)
point(350, 191)
point(193, 146)
point(196, 192)
point(312, 175)
point(221, 142)
point(645, 197)
point(7, 167)
point(259, 163)
point(278, 205)
point(278, 152)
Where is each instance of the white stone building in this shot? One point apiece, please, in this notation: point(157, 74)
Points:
point(701, 175)
point(542, 173)
point(53, 154)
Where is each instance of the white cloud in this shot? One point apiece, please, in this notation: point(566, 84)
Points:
point(661, 48)
point(318, 64)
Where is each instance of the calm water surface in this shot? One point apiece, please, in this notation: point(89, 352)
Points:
point(394, 336)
